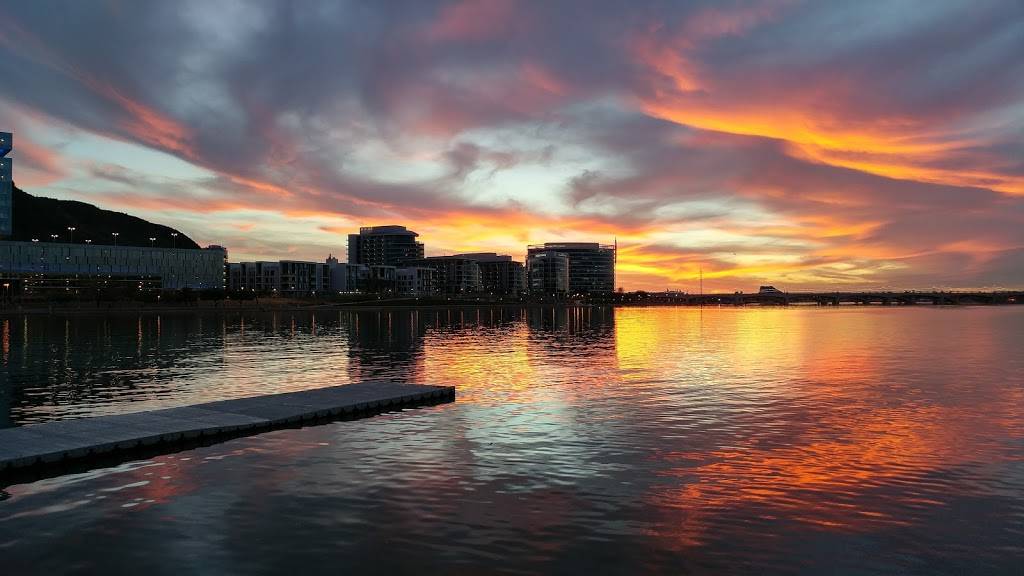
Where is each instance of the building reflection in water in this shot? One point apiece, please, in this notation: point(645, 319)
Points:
point(68, 367)
point(5, 390)
point(383, 345)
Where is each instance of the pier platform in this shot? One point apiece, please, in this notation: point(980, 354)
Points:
point(108, 437)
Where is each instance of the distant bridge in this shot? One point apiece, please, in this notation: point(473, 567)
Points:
point(829, 298)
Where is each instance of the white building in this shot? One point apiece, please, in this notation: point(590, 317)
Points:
point(285, 277)
point(416, 281)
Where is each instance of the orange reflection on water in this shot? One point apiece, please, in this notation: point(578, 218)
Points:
point(846, 442)
point(684, 425)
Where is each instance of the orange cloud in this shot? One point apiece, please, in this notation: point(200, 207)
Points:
point(811, 118)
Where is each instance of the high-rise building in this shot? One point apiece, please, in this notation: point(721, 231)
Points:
point(6, 186)
point(548, 272)
point(499, 274)
point(591, 265)
point(384, 246)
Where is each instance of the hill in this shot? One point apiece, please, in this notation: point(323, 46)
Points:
point(36, 217)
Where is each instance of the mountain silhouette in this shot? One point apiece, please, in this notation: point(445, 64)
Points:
point(37, 217)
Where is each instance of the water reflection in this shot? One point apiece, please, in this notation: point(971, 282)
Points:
point(71, 367)
point(629, 440)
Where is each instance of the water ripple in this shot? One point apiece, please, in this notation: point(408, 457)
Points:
point(861, 441)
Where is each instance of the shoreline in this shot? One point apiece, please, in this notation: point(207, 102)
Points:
point(262, 308)
point(161, 309)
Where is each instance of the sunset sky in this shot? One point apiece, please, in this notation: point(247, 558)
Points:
point(801, 144)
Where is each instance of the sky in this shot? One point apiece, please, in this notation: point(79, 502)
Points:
point(807, 145)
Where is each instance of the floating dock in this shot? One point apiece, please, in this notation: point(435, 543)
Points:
point(109, 438)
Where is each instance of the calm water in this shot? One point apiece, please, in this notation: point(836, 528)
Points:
point(849, 441)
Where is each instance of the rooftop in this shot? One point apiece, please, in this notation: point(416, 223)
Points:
point(391, 229)
point(570, 246)
point(486, 257)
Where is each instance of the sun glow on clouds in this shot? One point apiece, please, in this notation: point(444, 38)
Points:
point(759, 142)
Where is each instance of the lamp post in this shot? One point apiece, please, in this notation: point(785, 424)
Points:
point(71, 235)
point(88, 241)
point(35, 239)
point(115, 235)
point(54, 237)
point(152, 241)
point(174, 239)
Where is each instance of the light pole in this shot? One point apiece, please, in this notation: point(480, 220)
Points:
point(174, 239)
point(152, 241)
point(54, 237)
point(88, 241)
point(115, 235)
point(71, 236)
point(35, 239)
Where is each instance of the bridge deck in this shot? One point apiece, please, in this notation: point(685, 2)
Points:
point(100, 437)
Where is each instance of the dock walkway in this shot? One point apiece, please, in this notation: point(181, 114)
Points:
point(54, 443)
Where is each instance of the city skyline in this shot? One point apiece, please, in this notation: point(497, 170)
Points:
point(808, 146)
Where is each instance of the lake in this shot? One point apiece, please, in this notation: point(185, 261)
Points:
point(847, 440)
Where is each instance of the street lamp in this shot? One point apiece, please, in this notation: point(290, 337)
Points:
point(152, 240)
point(54, 237)
point(71, 236)
point(115, 235)
point(174, 239)
point(35, 239)
point(88, 241)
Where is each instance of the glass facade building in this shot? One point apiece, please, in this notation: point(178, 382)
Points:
point(54, 264)
point(591, 265)
point(548, 273)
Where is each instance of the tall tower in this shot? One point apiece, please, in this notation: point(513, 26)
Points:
point(384, 245)
point(6, 186)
